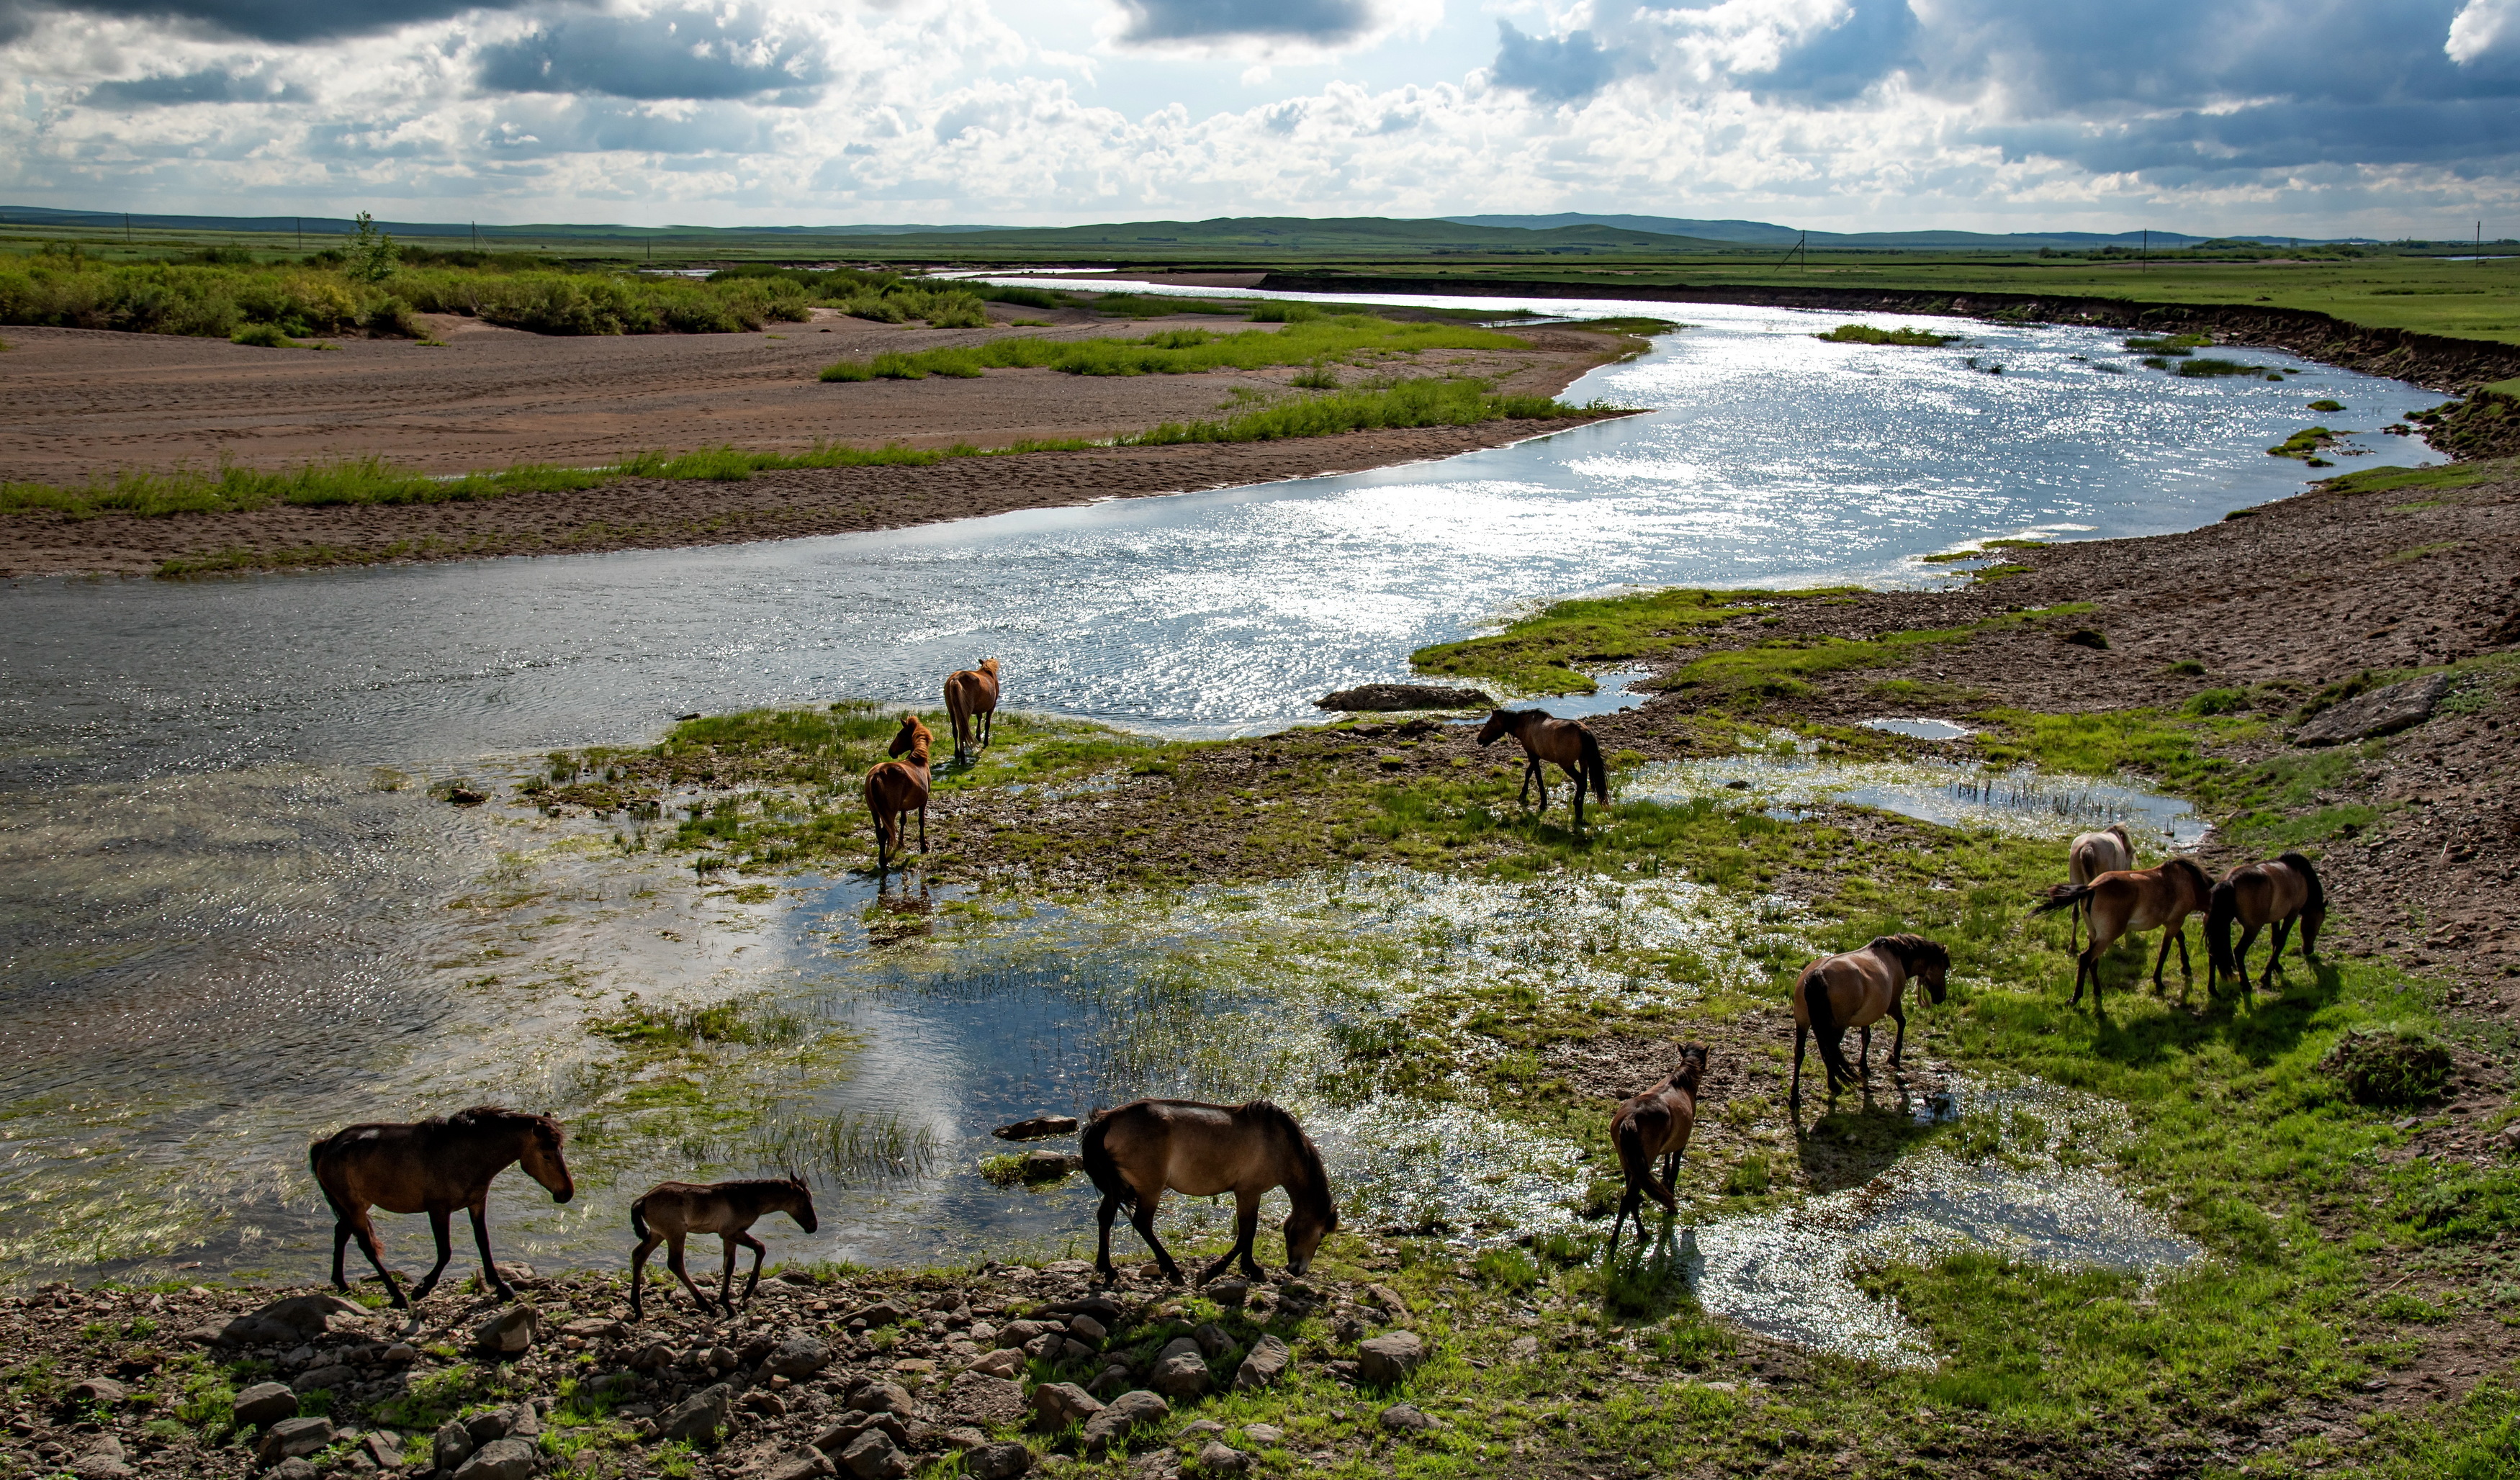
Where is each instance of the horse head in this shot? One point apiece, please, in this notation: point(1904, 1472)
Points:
point(801, 1205)
point(988, 666)
point(913, 738)
point(541, 1156)
point(1690, 1070)
point(1500, 722)
point(1924, 959)
point(1312, 1215)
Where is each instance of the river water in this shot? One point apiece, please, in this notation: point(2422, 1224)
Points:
point(231, 919)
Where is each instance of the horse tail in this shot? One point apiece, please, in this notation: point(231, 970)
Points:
point(2221, 907)
point(2062, 896)
point(1825, 1028)
point(315, 1169)
point(1594, 771)
point(1101, 1165)
point(639, 1219)
point(2314, 910)
point(1634, 1160)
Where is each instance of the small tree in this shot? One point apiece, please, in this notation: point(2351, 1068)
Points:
point(372, 252)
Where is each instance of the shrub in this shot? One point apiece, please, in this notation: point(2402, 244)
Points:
point(2389, 1065)
point(2197, 370)
point(263, 337)
point(1285, 313)
point(394, 319)
point(1866, 333)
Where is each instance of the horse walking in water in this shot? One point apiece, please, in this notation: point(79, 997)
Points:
point(671, 1211)
point(2091, 855)
point(1650, 1123)
point(1856, 990)
point(1137, 1152)
point(971, 704)
point(2258, 895)
point(894, 787)
point(1562, 742)
point(2134, 900)
point(432, 1166)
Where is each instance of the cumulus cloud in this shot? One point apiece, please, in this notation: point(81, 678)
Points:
point(209, 85)
point(284, 20)
point(675, 53)
point(2482, 28)
point(1567, 69)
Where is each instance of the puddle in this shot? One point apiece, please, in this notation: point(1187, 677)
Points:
point(1922, 729)
point(1610, 696)
point(2022, 801)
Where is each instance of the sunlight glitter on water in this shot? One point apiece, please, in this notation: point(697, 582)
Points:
point(2023, 801)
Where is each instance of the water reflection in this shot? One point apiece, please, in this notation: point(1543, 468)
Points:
point(2022, 800)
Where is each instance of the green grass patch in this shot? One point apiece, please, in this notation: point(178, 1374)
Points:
point(1543, 653)
point(2303, 443)
point(2391, 479)
point(1866, 333)
point(1346, 339)
point(2208, 368)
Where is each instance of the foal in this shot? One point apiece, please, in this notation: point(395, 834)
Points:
point(432, 1166)
point(1138, 1151)
point(1650, 1123)
point(2091, 855)
point(971, 704)
point(1856, 990)
point(671, 1211)
point(2258, 895)
point(2134, 900)
point(897, 786)
point(1563, 741)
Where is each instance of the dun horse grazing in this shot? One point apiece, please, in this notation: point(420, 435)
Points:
point(1650, 1123)
point(971, 704)
point(2091, 855)
point(671, 1211)
point(2258, 895)
point(1138, 1151)
point(433, 1166)
point(1563, 741)
point(897, 786)
point(2134, 899)
point(1856, 990)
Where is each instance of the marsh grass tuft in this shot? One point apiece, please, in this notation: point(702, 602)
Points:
point(2389, 1065)
point(1866, 333)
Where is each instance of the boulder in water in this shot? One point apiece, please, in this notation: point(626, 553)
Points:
point(1379, 698)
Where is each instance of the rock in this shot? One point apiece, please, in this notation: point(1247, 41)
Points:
point(1057, 1405)
point(1125, 1412)
point(1179, 1369)
point(1522, 1348)
point(881, 1398)
point(1085, 1327)
point(1401, 1419)
point(1229, 1293)
point(757, 1349)
point(500, 1459)
point(874, 1457)
point(292, 1437)
point(293, 1469)
point(1213, 1342)
point(799, 1356)
point(1037, 1128)
point(881, 1313)
point(1267, 1363)
point(764, 1402)
point(1047, 1346)
point(106, 1462)
point(508, 1331)
point(1005, 1362)
point(996, 1462)
point(1388, 1359)
point(1264, 1433)
point(992, 1400)
point(807, 1466)
point(1219, 1459)
point(839, 1436)
point(382, 1447)
point(401, 1354)
point(464, 796)
point(2382, 711)
point(698, 1416)
point(655, 1357)
point(450, 1446)
point(1114, 1381)
point(283, 1321)
point(331, 1374)
point(595, 1330)
point(497, 1423)
point(99, 1390)
point(1387, 1298)
point(1042, 1164)
point(1380, 698)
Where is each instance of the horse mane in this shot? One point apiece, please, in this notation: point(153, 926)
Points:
point(1690, 1070)
point(2196, 872)
point(487, 1115)
point(2300, 865)
point(1914, 950)
point(764, 1185)
point(1307, 1156)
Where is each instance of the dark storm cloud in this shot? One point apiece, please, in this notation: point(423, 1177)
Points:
point(1564, 68)
point(210, 85)
point(1328, 21)
point(671, 54)
point(265, 19)
point(1876, 39)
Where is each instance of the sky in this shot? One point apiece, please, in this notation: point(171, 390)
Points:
point(2310, 117)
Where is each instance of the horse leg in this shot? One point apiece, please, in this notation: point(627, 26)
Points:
point(1899, 1015)
point(1802, 1036)
point(923, 847)
point(760, 1251)
point(1522, 793)
point(1144, 1220)
point(445, 1251)
point(2274, 951)
point(1246, 1227)
point(674, 1262)
point(367, 1245)
point(639, 1272)
point(1103, 1253)
point(2248, 938)
point(1628, 1208)
point(1863, 1061)
point(480, 1211)
point(726, 1281)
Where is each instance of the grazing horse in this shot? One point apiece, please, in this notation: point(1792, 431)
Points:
point(1650, 1123)
point(1564, 742)
point(2137, 900)
point(1856, 990)
point(671, 1211)
point(971, 704)
point(433, 1166)
point(1138, 1151)
point(2091, 855)
point(2258, 895)
point(897, 786)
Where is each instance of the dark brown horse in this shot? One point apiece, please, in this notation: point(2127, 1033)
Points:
point(2160, 897)
point(1562, 742)
point(671, 1211)
point(897, 786)
point(2258, 895)
point(433, 1166)
point(971, 704)
point(1140, 1150)
point(1856, 990)
point(1650, 1123)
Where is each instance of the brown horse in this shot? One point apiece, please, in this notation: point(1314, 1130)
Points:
point(1564, 742)
point(1650, 1123)
point(1138, 1151)
point(671, 1211)
point(2134, 899)
point(2258, 895)
point(433, 1166)
point(897, 786)
point(1856, 990)
point(971, 704)
point(2089, 856)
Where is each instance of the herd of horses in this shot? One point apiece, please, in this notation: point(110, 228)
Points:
point(1136, 1154)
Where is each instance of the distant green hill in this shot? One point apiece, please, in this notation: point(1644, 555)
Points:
point(1767, 234)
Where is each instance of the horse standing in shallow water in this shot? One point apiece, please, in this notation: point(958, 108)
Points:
point(2134, 900)
point(1856, 990)
point(2089, 856)
point(1650, 1123)
point(894, 787)
point(971, 705)
point(671, 1211)
point(1562, 742)
point(2258, 895)
point(1140, 1150)
point(432, 1166)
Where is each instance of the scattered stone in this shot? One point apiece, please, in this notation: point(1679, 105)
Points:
point(1401, 1419)
point(881, 1398)
point(881, 1313)
point(105, 1462)
point(876, 1457)
point(698, 1416)
point(1086, 1328)
point(464, 796)
point(293, 1437)
point(839, 1436)
point(996, 1462)
point(331, 1374)
point(401, 1354)
point(1057, 1405)
point(450, 1446)
point(1125, 1412)
point(1264, 1433)
point(1179, 1369)
point(383, 1448)
point(1267, 1363)
point(1229, 1293)
point(1005, 1362)
point(496, 1423)
point(291, 1320)
point(1037, 1128)
point(1042, 1164)
point(655, 1357)
point(2382, 711)
point(1388, 1359)
point(1384, 697)
point(509, 1331)
point(500, 1459)
point(1388, 1299)
point(1522, 1348)
point(99, 1390)
point(293, 1469)
point(595, 1330)
point(799, 1356)
point(1218, 1458)
point(1213, 1342)
point(808, 1466)
point(2089, 637)
point(992, 1400)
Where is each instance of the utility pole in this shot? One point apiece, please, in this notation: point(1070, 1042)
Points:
point(299, 222)
point(2144, 258)
point(126, 227)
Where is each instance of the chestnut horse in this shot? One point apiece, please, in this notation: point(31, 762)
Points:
point(2134, 899)
point(671, 1211)
point(1563, 741)
point(2258, 895)
point(1856, 990)
point(971, 704)
point(1137, 1152)
point(1650, 1123)
point(2089, 856)
point(896, 786)
point(433, 1166)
